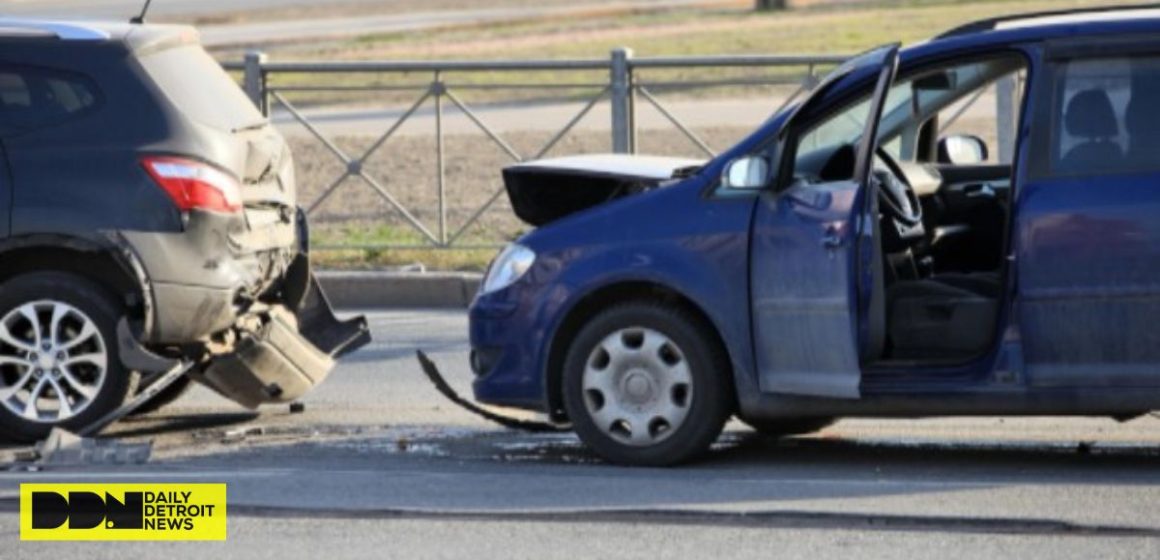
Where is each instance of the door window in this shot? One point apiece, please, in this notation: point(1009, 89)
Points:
point(1107, 116)
point(32, 98)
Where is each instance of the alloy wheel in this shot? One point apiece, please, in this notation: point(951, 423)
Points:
point(53, 361)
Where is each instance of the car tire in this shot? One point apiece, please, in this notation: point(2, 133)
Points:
point(785, 427)
point(654, 366)
point(76, 321)
point(166, 397)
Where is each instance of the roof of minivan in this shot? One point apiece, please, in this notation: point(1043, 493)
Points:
point(1022, 28)
point(135, 35)
point(1073, 16)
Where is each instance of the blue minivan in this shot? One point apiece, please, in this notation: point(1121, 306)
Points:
point(968, 226)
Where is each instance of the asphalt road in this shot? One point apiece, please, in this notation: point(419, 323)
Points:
point(387, 16)
point(379, 465)
point(168, 8)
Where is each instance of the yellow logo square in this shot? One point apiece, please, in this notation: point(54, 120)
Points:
point(123, 512)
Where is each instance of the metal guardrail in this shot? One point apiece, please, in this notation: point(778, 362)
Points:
point(623, 88)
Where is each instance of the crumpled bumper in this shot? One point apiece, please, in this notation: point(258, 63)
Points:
point(292, 349)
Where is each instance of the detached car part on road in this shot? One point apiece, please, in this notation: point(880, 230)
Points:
point(147, 216)
point(854, 256)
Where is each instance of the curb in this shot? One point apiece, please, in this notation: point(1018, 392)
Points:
point(376, 289)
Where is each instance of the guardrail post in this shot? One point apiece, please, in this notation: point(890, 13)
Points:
point(623, 102)
point(254, 80)
point(1005, 113)
point(439, 89)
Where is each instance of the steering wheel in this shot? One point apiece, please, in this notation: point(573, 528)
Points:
point(897, 200)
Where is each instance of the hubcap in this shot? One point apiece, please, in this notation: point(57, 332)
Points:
point(53, 361)
point(637, 386)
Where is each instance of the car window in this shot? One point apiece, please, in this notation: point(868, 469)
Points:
point(32, 98)
point(1106, 116)
point(978, 114)
point(847, 125)
point(962, 96)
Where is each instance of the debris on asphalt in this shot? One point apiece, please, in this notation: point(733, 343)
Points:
point(432, 372)
point(239, 435)
point(64, 448)
point(175, 372)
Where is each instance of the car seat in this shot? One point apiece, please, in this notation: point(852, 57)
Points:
point(1090, 116)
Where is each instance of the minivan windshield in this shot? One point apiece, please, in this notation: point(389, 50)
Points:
point(199, 87)
point(908, 104)
point(872, 58)
point(843, 128)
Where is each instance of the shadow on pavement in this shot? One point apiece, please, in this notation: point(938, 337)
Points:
point(175, 424)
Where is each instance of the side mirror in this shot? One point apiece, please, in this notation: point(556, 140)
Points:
point(751, 172)
point(962, 149)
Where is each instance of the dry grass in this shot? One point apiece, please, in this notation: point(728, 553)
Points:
point(732, 29)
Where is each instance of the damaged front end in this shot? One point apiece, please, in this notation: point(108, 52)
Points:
point(280, 351)
point(544, 191)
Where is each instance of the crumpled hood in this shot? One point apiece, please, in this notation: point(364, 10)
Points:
point(546, 190)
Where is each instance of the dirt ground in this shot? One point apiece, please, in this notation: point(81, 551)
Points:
point(407, 168)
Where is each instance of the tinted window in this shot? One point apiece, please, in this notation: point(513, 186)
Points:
point(32, 98)
point(199, 88)
point(1107, 116)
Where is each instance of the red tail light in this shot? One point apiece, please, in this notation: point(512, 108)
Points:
point(194, 185)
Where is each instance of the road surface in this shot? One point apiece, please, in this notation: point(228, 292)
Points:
point(380, 466)
point(386, 16)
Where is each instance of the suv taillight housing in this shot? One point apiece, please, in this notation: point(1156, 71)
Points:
point(194, 185)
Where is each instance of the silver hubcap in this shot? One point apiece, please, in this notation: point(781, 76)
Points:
point(637, 386)
point(53, 361)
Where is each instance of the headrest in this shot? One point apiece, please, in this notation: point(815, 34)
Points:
point(1090, 115)
point(1143, 113)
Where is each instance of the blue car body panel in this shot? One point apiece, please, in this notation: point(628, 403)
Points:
point(807, 307)
point(1078, 338)
point(696, 256)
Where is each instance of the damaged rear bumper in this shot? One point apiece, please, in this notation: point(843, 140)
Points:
point(249, 313)
point(290, 348)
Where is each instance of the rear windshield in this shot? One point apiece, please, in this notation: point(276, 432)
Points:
point(199, 87)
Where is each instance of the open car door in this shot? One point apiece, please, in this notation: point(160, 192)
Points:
point(816, 269)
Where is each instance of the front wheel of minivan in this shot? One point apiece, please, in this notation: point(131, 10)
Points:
point(59, 364)
point(646, 384)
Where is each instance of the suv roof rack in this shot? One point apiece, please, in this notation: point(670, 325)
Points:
point(66, 31)
point(992, 23)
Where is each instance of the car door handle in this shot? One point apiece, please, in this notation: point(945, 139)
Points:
point(984, 190)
